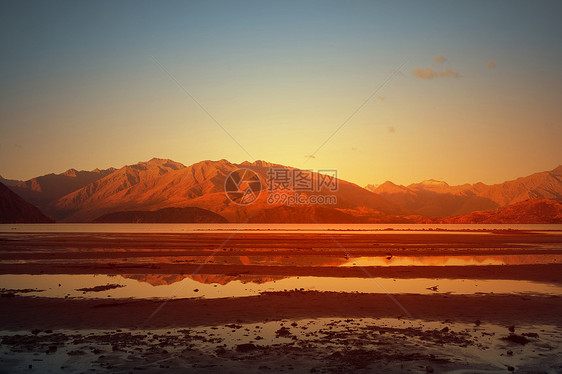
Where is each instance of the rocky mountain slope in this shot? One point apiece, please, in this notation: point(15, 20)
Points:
point(14, 209)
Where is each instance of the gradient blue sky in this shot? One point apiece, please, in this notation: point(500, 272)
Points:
point(80, 87)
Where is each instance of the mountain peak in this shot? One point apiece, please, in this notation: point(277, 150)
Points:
point(223, 163)
point(389, 187)
point(557, 170)
point(155, 160)
point(372, 187)
point(259, 163)
point(389, 184)
point(160, 162)
point(434, 182)
point(71, 173)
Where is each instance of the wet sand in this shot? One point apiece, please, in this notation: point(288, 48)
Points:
point(541, 273)
point(301, 346)
point(20, 313)
point(408, 242)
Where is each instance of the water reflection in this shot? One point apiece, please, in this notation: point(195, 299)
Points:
point(454, 260)
point(180, 286)
point(315, 260)
point(167, 279)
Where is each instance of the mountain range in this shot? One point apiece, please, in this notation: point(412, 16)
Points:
point(146, 189)
point(46, 188)
point(160, 183)
point(529, 211)
point(432, 198)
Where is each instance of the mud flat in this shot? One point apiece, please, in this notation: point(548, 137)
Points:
point(61, 309)
point(326, 345)
point(23, 312)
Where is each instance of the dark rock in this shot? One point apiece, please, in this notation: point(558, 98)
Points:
point(220, 351)
point(100, 288)
point(283, 332)
point(518, 339)
point(52, 349)
point(248, 347)
point(76, 352)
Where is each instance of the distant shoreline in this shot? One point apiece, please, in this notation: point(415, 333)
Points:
point(164, 228)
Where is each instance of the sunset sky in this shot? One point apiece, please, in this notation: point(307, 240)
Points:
point(478, 97)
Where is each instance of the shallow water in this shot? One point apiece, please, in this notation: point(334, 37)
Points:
point(304, 260)
point(218, 286)
point(232, 227)
point(483, 260)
